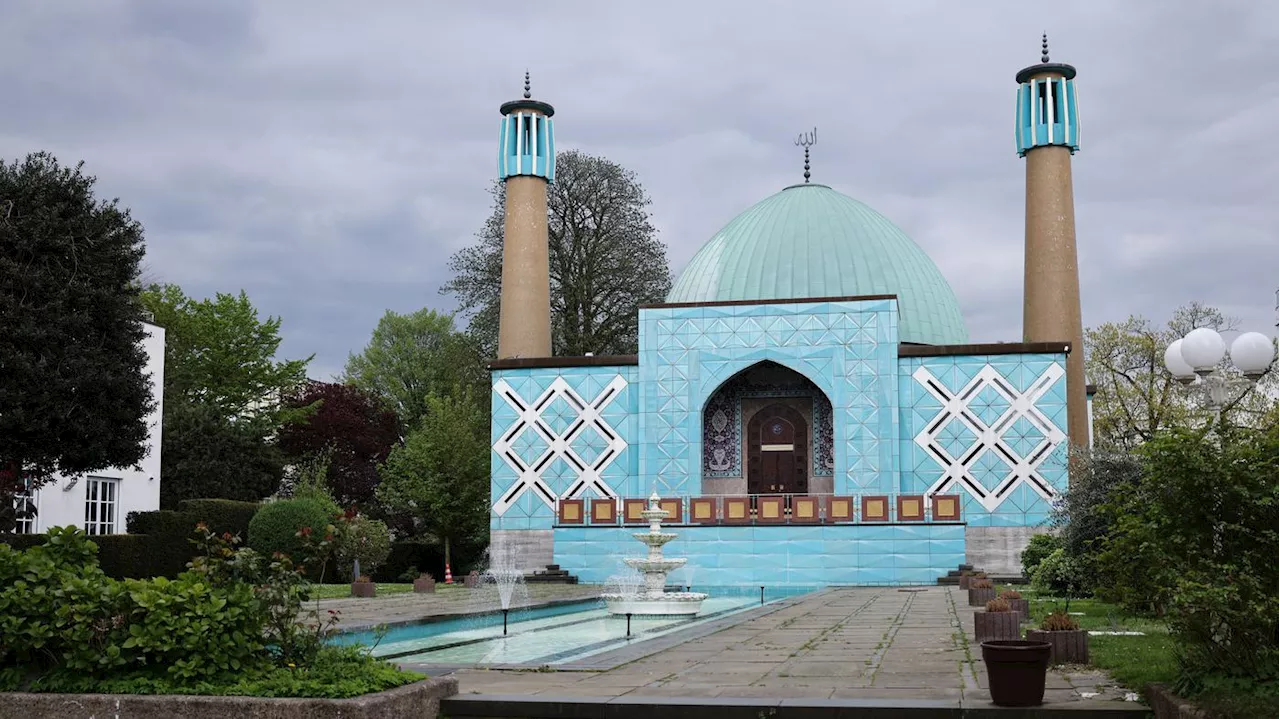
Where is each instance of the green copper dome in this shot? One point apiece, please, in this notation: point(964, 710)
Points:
point(811, 241)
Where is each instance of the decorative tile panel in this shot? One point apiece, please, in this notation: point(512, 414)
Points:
point(848, 350)
point(990, 426)
point(560, 433)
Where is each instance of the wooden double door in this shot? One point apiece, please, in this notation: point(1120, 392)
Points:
point(777, 451)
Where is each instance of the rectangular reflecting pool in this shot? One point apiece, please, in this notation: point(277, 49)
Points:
point(549, 635)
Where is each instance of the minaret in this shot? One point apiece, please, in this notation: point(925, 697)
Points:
point(526, 163)
point(1048, 134)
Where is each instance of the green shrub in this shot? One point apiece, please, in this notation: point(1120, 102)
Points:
point(1059, 575)
point(222, 515)
point(275, 527)
point(136, 556)
point(365, 540)
point(1041, 546)
point(426, 557)
point(22, 541)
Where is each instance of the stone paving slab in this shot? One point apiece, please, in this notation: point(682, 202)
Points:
point(838, 645)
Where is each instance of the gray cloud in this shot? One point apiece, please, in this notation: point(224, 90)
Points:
point(328, 158)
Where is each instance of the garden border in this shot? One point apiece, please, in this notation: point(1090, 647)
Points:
point(420, 699)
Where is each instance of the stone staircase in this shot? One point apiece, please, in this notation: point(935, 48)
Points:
point(953, 576)
point(553, 574)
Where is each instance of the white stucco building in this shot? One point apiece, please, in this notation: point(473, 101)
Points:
point(99, 501)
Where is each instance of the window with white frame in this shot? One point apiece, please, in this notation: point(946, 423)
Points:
point(101, 496)
point(24, 505)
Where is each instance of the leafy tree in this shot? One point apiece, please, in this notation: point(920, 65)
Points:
point(353, 429)
point(74, 393)
point(207, 456)
point(413, 356)
point(223, 396)
point(219, 353)
point(606, 260)
point(1137, 397)
point(440, 476)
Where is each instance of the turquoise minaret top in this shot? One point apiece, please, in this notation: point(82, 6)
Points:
point(526, 138)
point(1047, 113)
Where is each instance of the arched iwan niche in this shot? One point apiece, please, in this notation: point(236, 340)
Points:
point(738, 457)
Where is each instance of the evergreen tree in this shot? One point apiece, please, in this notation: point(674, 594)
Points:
point(74, 394)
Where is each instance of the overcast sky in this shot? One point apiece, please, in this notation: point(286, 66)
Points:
point(327, 157)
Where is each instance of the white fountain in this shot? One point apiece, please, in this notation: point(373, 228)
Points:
point(652, 597)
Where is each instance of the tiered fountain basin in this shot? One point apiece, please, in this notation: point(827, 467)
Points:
point(653, 599)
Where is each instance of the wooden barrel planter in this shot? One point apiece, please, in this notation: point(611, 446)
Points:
point(424, 585)
point(964, 580)
point(980, 597)
point(472, 580)
point(990, 626)
point(363, 589)
point(1066, 647)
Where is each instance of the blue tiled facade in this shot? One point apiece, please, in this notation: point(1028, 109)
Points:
point(987, 427)
point(809, 555)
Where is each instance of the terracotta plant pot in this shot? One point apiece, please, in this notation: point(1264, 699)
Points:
point(980, 597)
point(1016, 670)
point(424, 585)
point(964, 580)
point(990, 626)
point(1021, 606)
point(1068, 646)
point(363, 589)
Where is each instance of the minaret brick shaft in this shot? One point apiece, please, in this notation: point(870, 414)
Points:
point(526, 163)
point(1048, 134)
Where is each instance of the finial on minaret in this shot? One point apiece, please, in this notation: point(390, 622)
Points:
point(807, 140)
point(1044, 51)
point(526, 85)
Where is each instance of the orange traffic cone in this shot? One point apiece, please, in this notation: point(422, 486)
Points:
point(448, 575)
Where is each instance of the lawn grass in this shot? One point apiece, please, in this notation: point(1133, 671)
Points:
point(343, 591)
point(1133, 661)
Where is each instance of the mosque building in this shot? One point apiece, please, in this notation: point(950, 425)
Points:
point(806, 403)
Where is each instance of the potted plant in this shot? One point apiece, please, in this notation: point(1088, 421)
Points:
point(966, 577)
point(980, 592)
point(1016, 670)
point(1017, 603)
point(1070, 643)
point(422, 583)
point(472, 580)
point(1000, 621)
point(363, 587)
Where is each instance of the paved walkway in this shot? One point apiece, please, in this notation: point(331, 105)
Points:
point(446, 601)
point(858, 643)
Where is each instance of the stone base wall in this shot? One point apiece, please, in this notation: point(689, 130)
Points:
point(420, 700)
point(527, 549)
point(998, 550)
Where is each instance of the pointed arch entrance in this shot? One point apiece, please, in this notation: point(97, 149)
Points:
point(767, 426)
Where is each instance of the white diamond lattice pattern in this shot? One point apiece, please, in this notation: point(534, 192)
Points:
point(554, 420)
point(1006, 425)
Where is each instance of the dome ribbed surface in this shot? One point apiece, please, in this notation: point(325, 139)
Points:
point(811, 241)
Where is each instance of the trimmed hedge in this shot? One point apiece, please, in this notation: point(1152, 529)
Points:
point(222, 515)
point(121, 556)
point(159, 542)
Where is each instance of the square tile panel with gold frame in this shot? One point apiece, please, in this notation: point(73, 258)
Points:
point(946, 508)
point(674, 508)
point(875, 508)
point(737, 510)
point(631, 509)
point(910, 508)
point(840, 509)
point(604, 511)
point(702, 510)
point(804, 510)
point(771, 510)
point(572, 511)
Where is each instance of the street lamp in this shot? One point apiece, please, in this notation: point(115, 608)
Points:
point(1196, 357)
